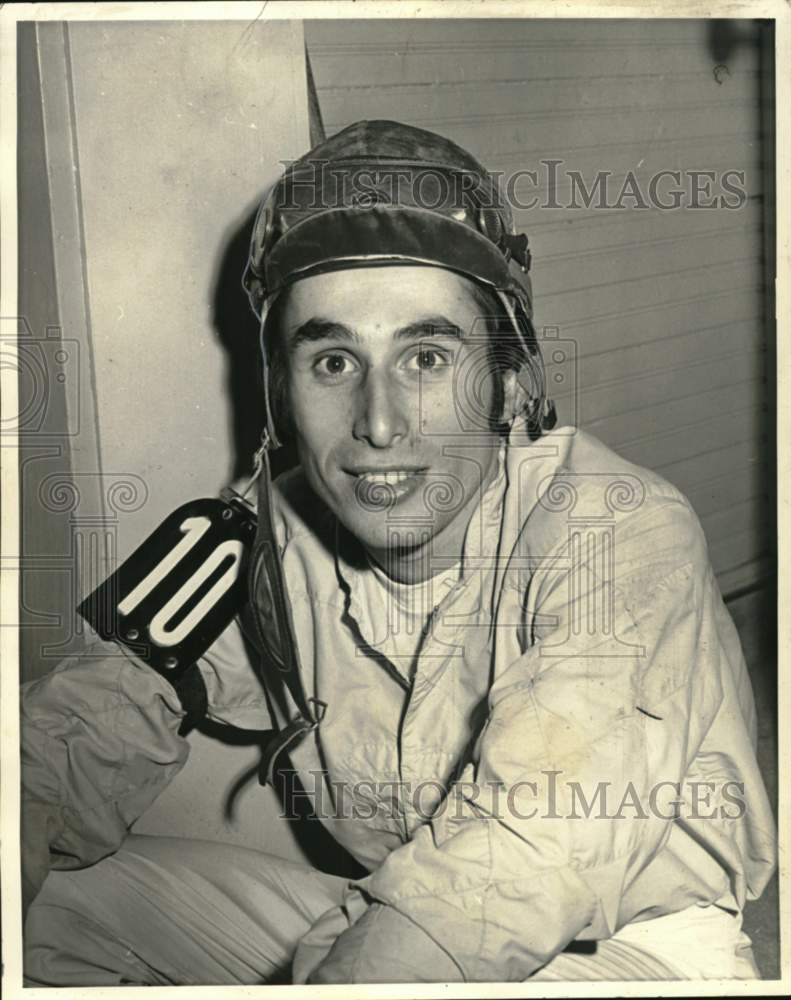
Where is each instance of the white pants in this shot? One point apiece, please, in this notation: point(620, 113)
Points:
point(168, 911)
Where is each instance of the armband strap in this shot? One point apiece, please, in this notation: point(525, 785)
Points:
point(191, 690)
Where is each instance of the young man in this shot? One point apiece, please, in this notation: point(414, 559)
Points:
point(515, 694)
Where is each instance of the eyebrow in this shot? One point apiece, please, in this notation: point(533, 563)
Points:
point(318, 329)
point(434, 326)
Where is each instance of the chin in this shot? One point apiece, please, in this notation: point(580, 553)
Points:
point(369, 531)
point(403, 526)
point(389, 536)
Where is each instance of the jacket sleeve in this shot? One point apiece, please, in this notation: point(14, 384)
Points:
point(525, 855)
point(100, 740)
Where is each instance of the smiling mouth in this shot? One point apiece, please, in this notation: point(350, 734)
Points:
point(379, 489)
point(392, 477)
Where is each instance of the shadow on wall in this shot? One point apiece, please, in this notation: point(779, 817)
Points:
point(726, 35)
point(237, 330)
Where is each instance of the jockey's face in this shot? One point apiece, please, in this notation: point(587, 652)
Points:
point(391, 390)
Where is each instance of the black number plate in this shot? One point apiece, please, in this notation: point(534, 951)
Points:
point(178, 591)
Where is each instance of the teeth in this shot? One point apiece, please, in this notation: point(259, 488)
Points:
point(386, 478)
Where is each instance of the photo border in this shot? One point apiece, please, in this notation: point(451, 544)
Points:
point(775, 10)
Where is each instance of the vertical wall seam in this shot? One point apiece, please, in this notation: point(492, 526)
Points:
point(83, 259)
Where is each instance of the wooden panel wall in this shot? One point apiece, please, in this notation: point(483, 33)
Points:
point(665, 309)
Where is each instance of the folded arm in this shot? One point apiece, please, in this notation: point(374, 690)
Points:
point(101, 739)
point(524, 856)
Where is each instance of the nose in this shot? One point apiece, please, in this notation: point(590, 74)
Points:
point(381, 419)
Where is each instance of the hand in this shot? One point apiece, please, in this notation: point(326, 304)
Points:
point(385, 947)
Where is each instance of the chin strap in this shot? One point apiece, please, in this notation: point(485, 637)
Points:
point(274, 622)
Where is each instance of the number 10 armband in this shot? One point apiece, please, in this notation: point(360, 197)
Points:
point(173, 597)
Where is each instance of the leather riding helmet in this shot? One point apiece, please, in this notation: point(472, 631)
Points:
point(379, 193)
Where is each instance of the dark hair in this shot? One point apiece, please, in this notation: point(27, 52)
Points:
point(507, 350)
point(277, 362)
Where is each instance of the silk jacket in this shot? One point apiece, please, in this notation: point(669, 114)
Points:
point(574, 750)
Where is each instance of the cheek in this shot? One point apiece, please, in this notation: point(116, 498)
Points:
point(476, 400)
point(320, 419)
point(437, 409)
point(466, 405)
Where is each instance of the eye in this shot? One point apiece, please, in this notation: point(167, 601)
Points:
point(429, 360)
point(333, 365)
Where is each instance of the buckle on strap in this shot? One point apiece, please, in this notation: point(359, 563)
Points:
point(294, 733)
point(515, 247)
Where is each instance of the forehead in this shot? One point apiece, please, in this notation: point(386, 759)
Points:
point(384, 299)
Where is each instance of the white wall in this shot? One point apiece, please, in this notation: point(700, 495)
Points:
point(180, 127)
point(159, 139)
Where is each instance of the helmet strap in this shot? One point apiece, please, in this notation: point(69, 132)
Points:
point(270, 440)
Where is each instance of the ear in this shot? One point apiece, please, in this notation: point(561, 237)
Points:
point(516, 394)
